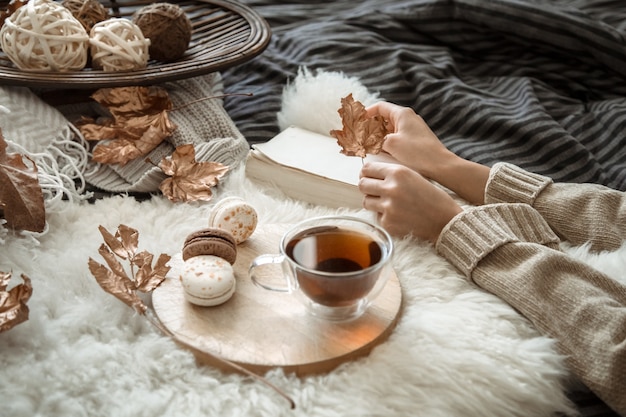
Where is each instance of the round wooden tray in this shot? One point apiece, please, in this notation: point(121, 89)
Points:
point(260, 329)
point(225, 33)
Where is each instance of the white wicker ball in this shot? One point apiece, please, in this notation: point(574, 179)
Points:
point(44, 36)
point(117, 44)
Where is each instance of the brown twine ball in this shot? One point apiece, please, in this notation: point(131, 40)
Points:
point(87, 12)
point(44, 36)
point(117, 44)
point(168, 28)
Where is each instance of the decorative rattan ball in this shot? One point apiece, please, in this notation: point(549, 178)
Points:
point(117, 44)
point(43, 35)
point(87, 12)
point(168, 28)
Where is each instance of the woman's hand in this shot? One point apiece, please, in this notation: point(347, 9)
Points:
point(406, 202)
point(411, 141)
point(415, 145)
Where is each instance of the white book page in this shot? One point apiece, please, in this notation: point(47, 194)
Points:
point(315, 153)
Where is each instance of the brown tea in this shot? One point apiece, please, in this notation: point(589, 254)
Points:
point(335, 250)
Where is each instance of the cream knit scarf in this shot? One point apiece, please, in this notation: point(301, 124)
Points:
point(31, 126)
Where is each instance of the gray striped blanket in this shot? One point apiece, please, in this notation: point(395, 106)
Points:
point(539, 83)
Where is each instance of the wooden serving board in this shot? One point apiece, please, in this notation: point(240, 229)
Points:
point(261, 329)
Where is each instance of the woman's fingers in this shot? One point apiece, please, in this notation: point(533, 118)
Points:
point(371, 185)
point(405, 202)
point(374, 169)
point(381, 108)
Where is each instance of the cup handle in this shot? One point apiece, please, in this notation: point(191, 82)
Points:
point(269, 259)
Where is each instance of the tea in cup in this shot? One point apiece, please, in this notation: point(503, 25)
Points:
point(336, 265)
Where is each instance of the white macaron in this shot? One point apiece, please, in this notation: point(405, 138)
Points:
point(207, 280)
point(235, 216)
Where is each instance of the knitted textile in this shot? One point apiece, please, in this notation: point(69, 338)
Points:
point(512, 250)
point(40, 128)
point(204, 123)
point(31, 127)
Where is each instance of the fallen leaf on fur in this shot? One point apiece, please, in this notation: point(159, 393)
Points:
point(189, 180)
point(13, 308)
point(115, 280)
point(21, 198)
point(360, 134)
point(139, 122)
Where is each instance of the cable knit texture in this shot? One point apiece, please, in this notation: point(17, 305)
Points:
point(475, 233)
point(201, 121)
point(567, 209)
point(511, 249)
point(511, 184)
point(45, 134)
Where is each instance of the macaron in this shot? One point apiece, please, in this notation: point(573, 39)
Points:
point(207, 280)
point(210, 241)
point(235, 216)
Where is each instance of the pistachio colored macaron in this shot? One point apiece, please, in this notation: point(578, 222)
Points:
point(210, 241)
point(207, 280)
point(236, 216)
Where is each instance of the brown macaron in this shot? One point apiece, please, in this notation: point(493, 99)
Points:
point(210, 241)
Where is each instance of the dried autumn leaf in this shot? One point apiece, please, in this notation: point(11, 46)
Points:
point(360, 134)
point(139, 123)
point(115, 280)
point(21, 198)
point(147, 277)
point(122, 288)
point(189, 180)
point(125, 241)
point(114, 265)
point(13, 308)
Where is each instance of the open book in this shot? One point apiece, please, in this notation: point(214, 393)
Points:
point(308, 166)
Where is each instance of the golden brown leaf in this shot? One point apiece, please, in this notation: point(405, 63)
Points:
point(360, 135)
point(139, 123)
point(115, 280)
point(122, 288)
point(21, 197)
point(148, 278)
point(114, 265)
point(189, 180)
point(13, 308)
point(125, 241)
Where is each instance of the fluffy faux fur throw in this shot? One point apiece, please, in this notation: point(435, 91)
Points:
point(456, 351)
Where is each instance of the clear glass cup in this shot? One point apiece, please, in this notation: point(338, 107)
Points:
point(335, 265)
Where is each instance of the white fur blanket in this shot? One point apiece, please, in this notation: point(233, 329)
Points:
point(456, 351)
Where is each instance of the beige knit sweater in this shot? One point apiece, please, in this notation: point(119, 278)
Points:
point(510, 247)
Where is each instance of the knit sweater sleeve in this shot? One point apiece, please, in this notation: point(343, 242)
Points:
point(578, 213)
point(510, 251)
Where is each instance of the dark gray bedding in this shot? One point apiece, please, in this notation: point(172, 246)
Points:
point(541, 84)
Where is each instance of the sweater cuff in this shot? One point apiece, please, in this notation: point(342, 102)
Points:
point(511, 184)
point(472, 235)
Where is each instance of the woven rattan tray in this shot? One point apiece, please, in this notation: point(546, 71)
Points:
point(225, 33)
